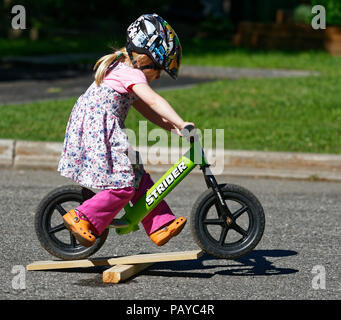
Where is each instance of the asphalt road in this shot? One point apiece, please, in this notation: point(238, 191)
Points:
point(302, 236)
point(25, 83)
point(55, 85)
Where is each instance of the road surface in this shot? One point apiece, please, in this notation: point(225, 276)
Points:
point(297, 258)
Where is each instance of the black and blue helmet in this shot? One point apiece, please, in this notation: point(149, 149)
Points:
point(153, 36)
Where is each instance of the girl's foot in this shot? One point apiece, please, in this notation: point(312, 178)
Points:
point(173, 228)
point(79, 226)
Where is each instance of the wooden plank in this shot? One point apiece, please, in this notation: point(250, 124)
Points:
point(157, 257)
point(66, 264)
point(121, 272)
point(136, 259)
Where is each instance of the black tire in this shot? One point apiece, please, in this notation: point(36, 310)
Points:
point(213, 234)
point(50, 229)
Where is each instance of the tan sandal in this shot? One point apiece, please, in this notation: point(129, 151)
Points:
point(163, 235)
point(79, 228)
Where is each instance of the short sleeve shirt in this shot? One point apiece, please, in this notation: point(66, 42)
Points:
point(123, 78)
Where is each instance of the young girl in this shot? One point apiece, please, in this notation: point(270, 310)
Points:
point(95, 152)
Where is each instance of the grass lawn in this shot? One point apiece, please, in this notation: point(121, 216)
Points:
point(56, 45)
point(209, 52)
point(238, 57)
point(296, 114)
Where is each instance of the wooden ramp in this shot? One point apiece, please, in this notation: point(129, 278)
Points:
point(124, 267)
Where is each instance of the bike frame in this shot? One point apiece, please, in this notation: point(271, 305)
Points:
point(193, 157)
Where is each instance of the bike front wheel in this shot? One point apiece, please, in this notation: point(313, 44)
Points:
point(228, 237)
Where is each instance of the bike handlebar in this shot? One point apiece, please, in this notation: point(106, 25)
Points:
point(189, 133)
point(189, 128)
point(186, 131)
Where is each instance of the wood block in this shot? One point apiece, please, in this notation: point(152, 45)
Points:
point(136, 259)
point(121, 272)
point(157, 257)
point(66, 264)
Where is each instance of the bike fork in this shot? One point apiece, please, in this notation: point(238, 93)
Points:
point(211, 182)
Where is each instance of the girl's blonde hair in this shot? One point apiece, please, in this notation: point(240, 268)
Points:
point(103, 63)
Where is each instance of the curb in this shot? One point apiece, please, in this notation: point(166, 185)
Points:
point(22, 155)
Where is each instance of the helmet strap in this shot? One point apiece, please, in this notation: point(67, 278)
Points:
point(130, 54)
point(150, 66)
point(134, 62)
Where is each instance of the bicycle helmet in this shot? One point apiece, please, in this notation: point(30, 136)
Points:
point(153, 36)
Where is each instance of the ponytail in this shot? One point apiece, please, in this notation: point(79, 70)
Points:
point(103, 63)
point(121, 55)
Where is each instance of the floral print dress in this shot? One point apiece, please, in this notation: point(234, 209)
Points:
point(95, 152)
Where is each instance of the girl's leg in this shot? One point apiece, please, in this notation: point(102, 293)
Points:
point(101, 209)
point(161, 215)
point(160, 224)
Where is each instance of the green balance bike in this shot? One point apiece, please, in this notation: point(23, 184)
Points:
point(227, 220)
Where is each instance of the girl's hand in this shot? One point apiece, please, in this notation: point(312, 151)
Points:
point(182, 127)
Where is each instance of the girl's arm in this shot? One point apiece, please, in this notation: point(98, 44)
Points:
point(158, 105)
point(152, 116)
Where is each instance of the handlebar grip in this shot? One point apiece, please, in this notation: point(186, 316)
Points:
point(189, 132)
point(186, 131)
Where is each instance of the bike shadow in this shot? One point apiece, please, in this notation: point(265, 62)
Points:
point(256, 263)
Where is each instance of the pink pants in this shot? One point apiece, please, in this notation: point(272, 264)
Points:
point(106, 204)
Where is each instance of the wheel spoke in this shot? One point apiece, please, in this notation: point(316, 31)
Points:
point(57, 228)
point(223, 235)
point(239, 212)
point(239, 229)
point(60, 209)
point(73, 240)
point(213, 221)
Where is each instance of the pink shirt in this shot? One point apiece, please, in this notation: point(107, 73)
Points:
point(122, 77)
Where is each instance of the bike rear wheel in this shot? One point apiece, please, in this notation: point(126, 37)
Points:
point(224, 237)
point(50, 228)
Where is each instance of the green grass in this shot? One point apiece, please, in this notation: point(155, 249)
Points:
point(207, 52)
point(302, 114)
point(56, 45)
point(305, 60)
point(283, 115)
point(288, 114)
point(220, 53)
point(43, 121)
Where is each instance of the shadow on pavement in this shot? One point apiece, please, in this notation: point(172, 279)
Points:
point(256, 263)
point(253, 264)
